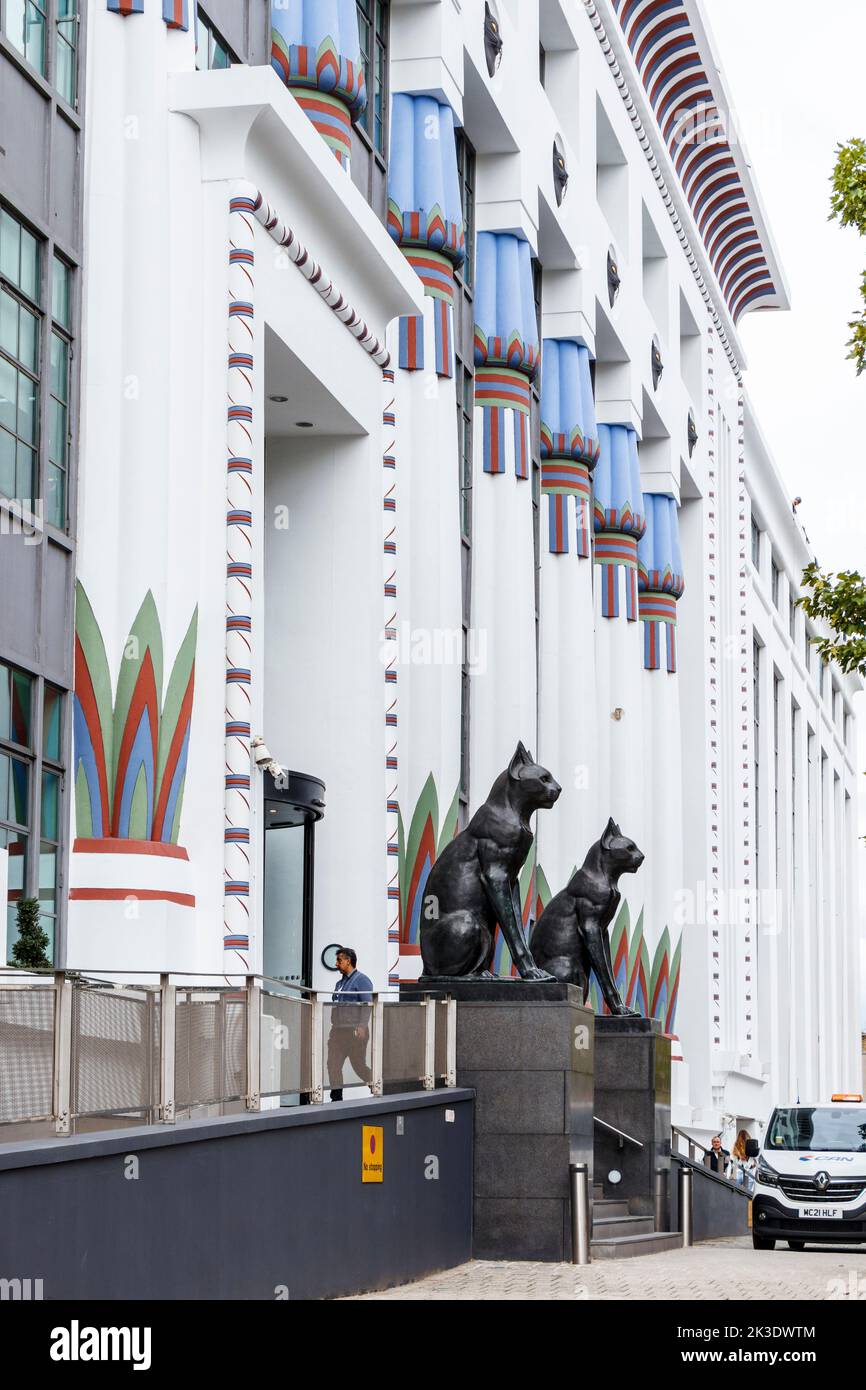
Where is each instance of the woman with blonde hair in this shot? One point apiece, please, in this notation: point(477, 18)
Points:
point(743, 1165)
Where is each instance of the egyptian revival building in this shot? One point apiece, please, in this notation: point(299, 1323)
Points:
point(379, 367)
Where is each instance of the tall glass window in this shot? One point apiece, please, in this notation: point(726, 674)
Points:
point(19, 358)
point(777, 716)
point(756, 722)
point(373, 35)
point(211, 49)
point(31, 782)
point(466, 174)
point(66, 43)
point(756, 544)
point(794, 731)
point(24, 27)
point(774, 582)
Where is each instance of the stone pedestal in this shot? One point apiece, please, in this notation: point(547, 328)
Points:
point(632, 1093)
point(527, 1050)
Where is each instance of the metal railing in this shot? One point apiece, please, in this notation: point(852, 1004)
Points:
point(76, 1047)
point(696, 1152)
point(620, 1135)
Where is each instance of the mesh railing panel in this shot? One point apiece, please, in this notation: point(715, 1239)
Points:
point(346, 1056)
point(286, 1063)
point(403, 1034)
point(210, 1046)
point(26, 1053)
point(115, 1050)
point(440, 1055)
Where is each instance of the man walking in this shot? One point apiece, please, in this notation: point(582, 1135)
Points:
point(350, 1030)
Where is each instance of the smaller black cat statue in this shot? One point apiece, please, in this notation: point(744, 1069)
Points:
point(473, 884)
point(571, 936)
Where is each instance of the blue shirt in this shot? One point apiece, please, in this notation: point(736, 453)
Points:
point(351, 995)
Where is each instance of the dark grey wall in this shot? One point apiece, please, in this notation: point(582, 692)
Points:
point(718, 1209)
point(234, 1208)
point(632, 1093)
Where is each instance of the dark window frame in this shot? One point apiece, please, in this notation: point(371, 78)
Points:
point(39, 763)
point(466, 174)
point(378, 30)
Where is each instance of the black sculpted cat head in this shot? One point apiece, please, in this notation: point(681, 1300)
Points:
point(492, 40)
point(613, 277)
point(658, 365)
point(560, 174)
point(692, 433)
point(530, 785)
point(620, 853)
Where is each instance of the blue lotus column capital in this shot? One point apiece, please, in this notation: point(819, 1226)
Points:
point(660, 580)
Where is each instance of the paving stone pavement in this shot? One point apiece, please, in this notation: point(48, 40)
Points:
point(713, 1270)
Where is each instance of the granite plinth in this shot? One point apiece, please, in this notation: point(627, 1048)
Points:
point(526, 1048)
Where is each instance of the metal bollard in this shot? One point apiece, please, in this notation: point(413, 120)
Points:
point(578, 1175)
point(660, 1203)
point(684, 1192)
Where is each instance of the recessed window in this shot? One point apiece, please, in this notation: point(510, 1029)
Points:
point(373, 37)
point(31, 788)
point(756, 544)
point(211, 50)
point(19, 358)
point(774, 582)
point(24, 27)
point(466, 176)
point(66, 42)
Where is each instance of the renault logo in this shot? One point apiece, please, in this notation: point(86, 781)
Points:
point(822, 1181)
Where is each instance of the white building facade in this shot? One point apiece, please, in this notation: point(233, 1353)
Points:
point(413, 424)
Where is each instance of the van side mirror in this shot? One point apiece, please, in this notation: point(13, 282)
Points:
point(753, 1148)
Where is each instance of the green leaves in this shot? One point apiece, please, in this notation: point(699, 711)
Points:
point(848, 201)
point(848, 205)
point(840, 602)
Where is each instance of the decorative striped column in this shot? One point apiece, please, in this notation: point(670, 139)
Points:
point(389, 660)
point(567, 735)
point(569, 444)
point(316, 51)
point(507, 351)
point(504, 688)
point(239, 576)
point(619, 522)
point(425, 219)
point(660, 581)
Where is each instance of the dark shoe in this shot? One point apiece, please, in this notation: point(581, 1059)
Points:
point(336, 1095)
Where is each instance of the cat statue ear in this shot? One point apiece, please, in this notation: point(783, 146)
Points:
point(521, 759)
point(611, 830)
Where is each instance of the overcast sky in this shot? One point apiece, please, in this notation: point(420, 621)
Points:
point(797, 85)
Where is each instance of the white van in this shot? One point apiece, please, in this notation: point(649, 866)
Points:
point(810, 1183)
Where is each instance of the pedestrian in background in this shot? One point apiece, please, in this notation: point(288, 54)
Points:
point(350, 1028)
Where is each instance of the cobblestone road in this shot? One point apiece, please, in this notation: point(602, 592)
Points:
point(713, 1270)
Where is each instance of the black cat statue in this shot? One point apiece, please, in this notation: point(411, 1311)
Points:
point(473, 884)
point(571, 936)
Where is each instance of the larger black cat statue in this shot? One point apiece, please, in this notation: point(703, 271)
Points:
point(571, 936)
point(473, 884)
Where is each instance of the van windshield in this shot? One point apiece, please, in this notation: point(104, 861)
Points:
point(802, 1127)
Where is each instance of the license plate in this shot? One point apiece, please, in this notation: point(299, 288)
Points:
point(822, 1213)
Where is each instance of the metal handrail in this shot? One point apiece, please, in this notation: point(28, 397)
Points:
point(620, 1134)
point(694, 1144)
point(253, 993)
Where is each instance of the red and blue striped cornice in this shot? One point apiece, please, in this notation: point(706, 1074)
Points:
point(665, 50)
